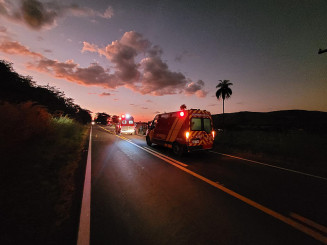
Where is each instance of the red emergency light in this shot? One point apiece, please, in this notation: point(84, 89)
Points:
point(122, 116)
point(181, 114)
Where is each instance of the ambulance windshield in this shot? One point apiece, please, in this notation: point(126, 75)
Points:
point(207, 125)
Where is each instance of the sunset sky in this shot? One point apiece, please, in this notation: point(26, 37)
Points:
point(145, 57)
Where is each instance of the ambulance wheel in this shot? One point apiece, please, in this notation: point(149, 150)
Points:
point(178, 149)
point(148, 141)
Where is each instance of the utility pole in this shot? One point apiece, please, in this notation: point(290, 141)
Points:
point(320, 51)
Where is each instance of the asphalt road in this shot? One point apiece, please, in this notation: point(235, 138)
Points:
point(146, 195)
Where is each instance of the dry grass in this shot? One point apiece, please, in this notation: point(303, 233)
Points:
point(40, 157)
point(301, 150)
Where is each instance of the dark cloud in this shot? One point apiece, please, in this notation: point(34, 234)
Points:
point(37, 15)
point(105, 94)
point(158, 79)
point(196, 88)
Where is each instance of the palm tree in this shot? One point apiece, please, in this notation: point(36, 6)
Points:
point(224, 92)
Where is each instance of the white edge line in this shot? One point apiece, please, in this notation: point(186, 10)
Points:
point(307, 230)
point(84, 221)
point(272, 166)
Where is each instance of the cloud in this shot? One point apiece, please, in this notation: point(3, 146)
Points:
point(196, 88)
point(149, 101)
point(105, 94)
point(145, 108)
point(89, 47)
point(13, 47)
point(150, 76)
point(158, 79)
point(69, 70)
point(38, 15)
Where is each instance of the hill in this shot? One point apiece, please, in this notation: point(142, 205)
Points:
point(313, 121)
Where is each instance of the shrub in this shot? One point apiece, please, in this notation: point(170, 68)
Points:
point(40, 156)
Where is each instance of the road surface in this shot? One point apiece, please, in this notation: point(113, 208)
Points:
point(146, 195)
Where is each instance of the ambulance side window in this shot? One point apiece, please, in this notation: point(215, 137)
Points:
point(196, 124)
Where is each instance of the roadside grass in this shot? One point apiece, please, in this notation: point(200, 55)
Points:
point(299, 150)
point(40, 156)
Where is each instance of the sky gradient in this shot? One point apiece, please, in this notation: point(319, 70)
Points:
point(146, 57)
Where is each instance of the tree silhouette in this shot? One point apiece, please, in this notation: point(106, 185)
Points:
point(102, 117)
point(16, 89)
point(224, 92)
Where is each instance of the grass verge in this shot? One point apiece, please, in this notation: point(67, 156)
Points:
point(299, 150)
point(41, 157)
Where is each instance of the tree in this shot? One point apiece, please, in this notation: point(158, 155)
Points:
point(224, 92)
point(183, 107)
point(102, 118)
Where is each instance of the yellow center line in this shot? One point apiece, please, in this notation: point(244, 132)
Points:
point(178, 162)
point(309, 222)
point(303, 228)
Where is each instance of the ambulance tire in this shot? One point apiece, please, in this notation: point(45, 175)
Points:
point(148, 141)
point(178, 149)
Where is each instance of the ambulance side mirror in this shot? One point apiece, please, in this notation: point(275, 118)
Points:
point(152, 125)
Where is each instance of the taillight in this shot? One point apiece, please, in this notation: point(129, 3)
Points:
point(187, 135)
point(213, 134)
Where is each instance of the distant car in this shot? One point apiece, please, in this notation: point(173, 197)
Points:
point(141, 128)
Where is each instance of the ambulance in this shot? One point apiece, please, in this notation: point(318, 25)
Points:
point(126, 124)
point(183, 131)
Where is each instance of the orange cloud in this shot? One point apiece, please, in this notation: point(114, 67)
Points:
point(13, 47)
point(93, 75)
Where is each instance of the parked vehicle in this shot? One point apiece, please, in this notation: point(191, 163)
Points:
point(183, 131)
point(140, 128)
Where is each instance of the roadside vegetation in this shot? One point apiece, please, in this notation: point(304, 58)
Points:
point(297, 148)
point(43, 140)
point(40, 156)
